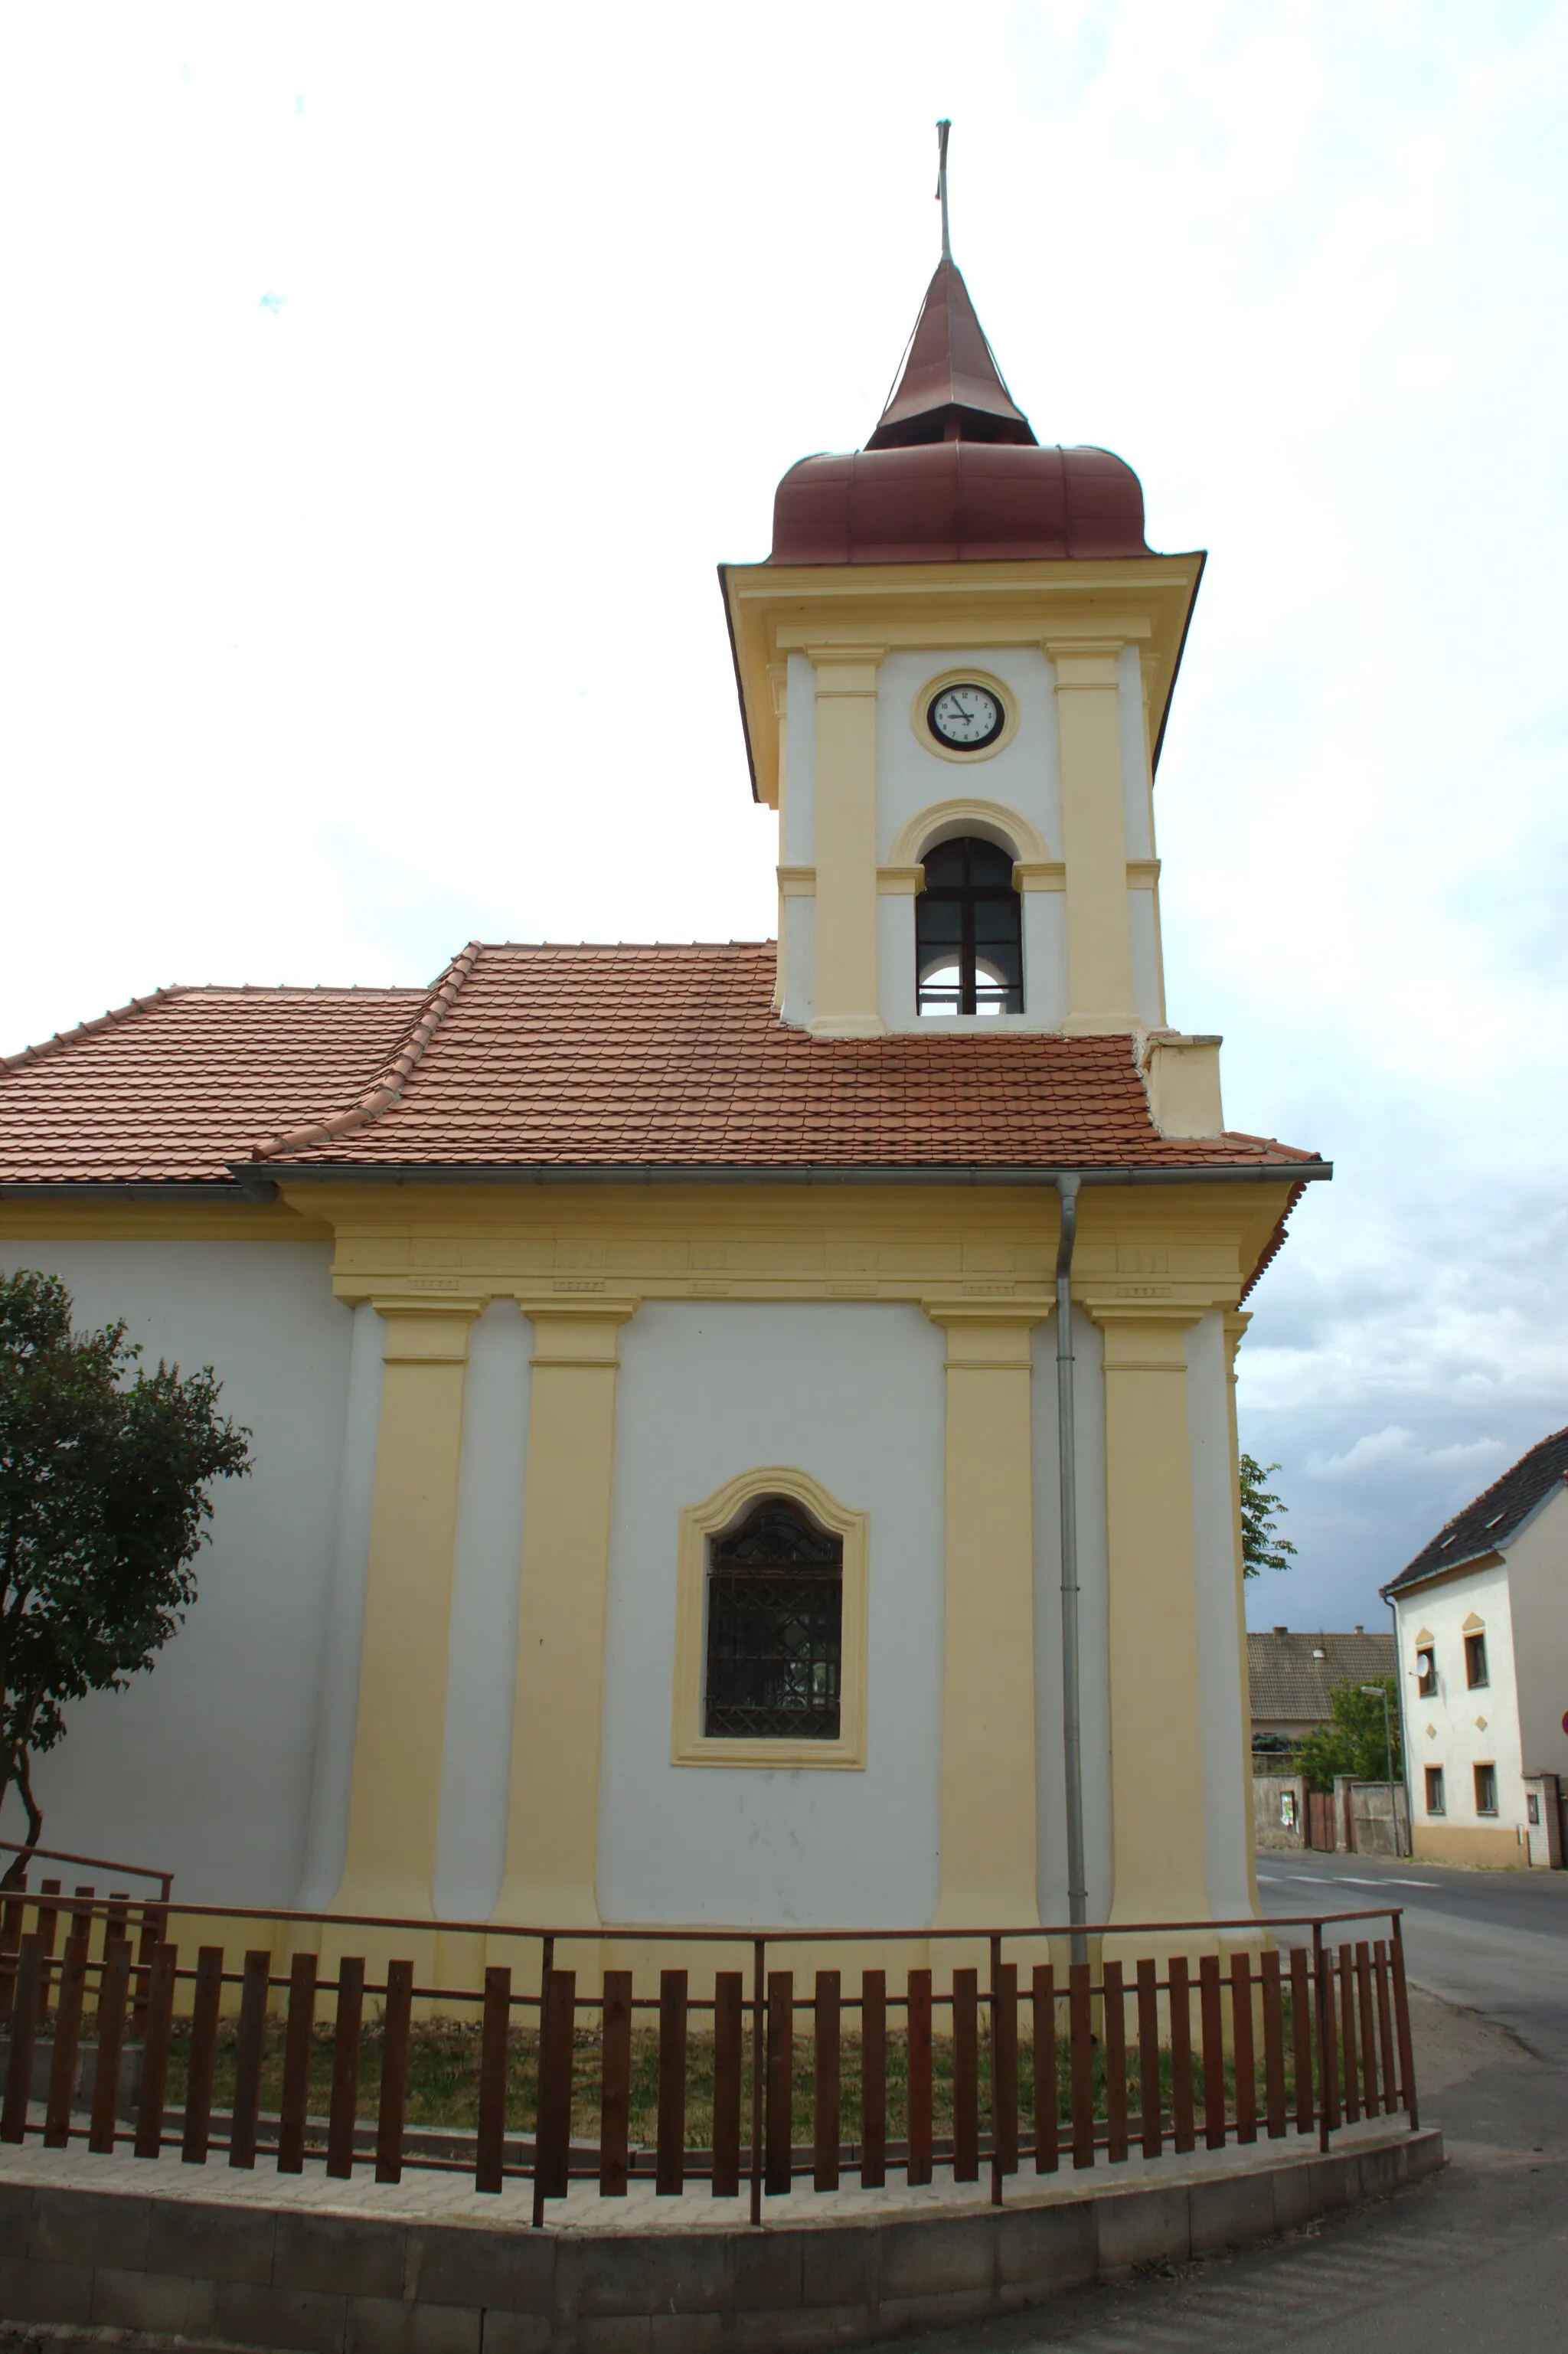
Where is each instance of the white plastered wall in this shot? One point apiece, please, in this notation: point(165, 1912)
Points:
point(1093, 1624)
point(482, 1657)
point(1138, 799)
point(1148, 982)
point(1023, 776)
point(1457, 1742)
point(798, 951)
point(895, 960)
point(338, 1697)
point(204, 1764)
point(854, 1394)
point(1538, 1594)
point(1138, 817)
point(1225, 1730)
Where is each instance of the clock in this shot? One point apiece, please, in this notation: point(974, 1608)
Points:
point(965, 719)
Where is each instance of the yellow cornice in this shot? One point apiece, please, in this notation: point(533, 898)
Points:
point(836, 612)
point(56, 1218)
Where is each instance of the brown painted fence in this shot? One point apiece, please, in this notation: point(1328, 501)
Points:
point(759, 2078)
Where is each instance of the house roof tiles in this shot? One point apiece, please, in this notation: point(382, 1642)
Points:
point(586, 1057)
point(1292, 1676)
point(1491, 1521)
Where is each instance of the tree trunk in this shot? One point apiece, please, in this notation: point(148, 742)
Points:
point(21, 1775)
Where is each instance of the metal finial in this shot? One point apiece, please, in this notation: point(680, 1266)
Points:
point(942, 130)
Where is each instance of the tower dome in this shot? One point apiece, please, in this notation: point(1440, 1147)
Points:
point(953, 472)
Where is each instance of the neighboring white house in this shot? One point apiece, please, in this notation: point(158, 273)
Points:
point(1482, 1616)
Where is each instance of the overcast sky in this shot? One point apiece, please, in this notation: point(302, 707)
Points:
point(385, 383)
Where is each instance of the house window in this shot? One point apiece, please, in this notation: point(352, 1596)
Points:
point(1435, 1789)
point(1533, 1807)
point(1426, 1671)
point(1474, 1660)
point(775, 1629)
point(968, 937)
point(1486, 1789)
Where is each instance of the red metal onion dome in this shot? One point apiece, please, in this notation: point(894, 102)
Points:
point(953, 472)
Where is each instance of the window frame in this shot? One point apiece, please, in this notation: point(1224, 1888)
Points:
point(1426, 1676)
point(968, 952)
point(1482, 1766)
point(1436, 1796)
point(1476, 1649)
point(690, 1743)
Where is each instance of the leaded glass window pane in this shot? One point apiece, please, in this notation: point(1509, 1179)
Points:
point(775, 1629)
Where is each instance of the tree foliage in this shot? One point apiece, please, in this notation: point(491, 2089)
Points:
point(1262, 1547)
point(103, 1474)
point(1354, 1742)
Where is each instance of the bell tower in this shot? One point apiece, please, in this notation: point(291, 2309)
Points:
point(954, 668)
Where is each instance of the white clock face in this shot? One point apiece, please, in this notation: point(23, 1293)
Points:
point(967, 718)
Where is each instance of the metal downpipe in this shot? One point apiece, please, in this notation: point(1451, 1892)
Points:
point(1067, 1465)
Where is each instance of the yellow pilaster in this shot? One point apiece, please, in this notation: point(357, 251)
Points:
point(846, 841)
point(1094, 835)
point(552, 1824)
point(1235, 1325)
point(1157, 1766)
point(989, 1847)
point(396, 1788)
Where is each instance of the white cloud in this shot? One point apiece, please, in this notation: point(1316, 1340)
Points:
point(1377, 1451)
point(339, 631)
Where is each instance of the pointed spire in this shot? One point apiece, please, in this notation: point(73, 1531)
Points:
point(950, 388)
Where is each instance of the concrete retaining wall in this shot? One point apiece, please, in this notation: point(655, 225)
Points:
point(1279, 1810)
point(334, 2283)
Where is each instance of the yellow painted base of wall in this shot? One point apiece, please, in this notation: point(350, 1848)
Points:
point(1497, 1844)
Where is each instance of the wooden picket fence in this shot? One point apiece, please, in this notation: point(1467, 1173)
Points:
point(1049, 2062)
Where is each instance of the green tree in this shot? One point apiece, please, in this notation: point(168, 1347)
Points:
point(1262, 1547)
point(103, 1473)
point(1354, 1742)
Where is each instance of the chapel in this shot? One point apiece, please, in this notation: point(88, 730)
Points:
point(743, 1434)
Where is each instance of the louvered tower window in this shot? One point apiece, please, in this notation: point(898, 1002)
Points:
point(968, 944)
point(775, 1627)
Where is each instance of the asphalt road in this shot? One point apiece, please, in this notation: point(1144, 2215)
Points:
point(1495, 1942)
point(1476, 2257)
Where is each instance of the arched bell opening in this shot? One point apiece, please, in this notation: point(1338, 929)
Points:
point(969, 931)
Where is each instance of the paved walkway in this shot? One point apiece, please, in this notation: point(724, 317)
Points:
point(451, 2195)
point(1477, 2256)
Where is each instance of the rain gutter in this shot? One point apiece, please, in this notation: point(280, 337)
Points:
point(504, 1173)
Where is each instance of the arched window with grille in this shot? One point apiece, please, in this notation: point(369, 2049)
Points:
point(969, 936)
point(775, 1627)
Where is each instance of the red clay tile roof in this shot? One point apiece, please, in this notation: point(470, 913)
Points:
point(589, 1057)
point(171, 1088)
